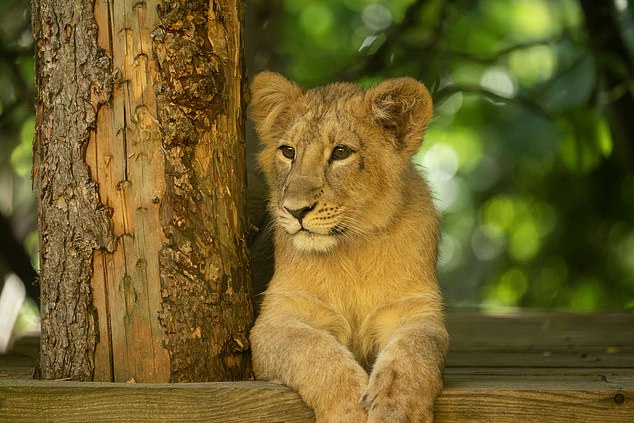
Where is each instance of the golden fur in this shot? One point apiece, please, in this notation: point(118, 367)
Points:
point(352, 319)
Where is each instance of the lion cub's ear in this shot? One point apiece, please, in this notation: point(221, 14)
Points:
point(403, 108)
point(272, 101)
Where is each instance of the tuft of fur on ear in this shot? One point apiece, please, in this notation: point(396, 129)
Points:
point(272, 101)
point(402, 107)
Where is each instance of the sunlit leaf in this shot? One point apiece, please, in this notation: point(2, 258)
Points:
point(533, 65)
point(586, 295)
point(508, 289)
point(586, 140)
point(316, 19)
point(21, 157)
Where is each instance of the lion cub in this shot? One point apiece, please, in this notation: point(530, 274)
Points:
point(352, 319)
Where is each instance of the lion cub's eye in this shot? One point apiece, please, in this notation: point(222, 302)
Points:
point(287, 151)
point(341, 152)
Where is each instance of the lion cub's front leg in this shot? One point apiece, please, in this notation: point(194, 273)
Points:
point(412, 341)
point(312, 362)
point(407, 375)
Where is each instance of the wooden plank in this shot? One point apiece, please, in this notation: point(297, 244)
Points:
point(540, 330)
point(19, 362)
point(562, 382)
point(526, 406)
point(613, 376)
point(465, 399)
point(587, 358)
point(512, 380)
point(70, 402)
point(520, 341)
point(16, 372)
point(24, 353)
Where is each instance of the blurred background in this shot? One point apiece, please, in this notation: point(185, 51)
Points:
point(530, 153)
point(18, 220)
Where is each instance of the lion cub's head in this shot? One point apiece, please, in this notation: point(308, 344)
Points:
point(336, 158)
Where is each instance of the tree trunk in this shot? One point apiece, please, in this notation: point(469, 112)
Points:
point(615, 69)
point(140, 174)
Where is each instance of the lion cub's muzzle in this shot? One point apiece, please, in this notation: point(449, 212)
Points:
point(299, 213)
point(310, 224)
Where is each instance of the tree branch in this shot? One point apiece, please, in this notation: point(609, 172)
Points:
point(493, 57)
point(527, 103)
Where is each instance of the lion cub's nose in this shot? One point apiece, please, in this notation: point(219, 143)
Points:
point(301, 212)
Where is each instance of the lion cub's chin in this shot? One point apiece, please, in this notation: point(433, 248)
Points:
point(312, 242)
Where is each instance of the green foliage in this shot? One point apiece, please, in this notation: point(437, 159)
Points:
point(537, 197)
point(586, 139)
point(17, 119)
point(22, 154)
point(535, 187)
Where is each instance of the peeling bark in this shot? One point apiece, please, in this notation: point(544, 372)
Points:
point(201, 109)
point(73, 80)
point(140, 173)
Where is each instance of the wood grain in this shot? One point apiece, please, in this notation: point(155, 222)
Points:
point(206, 309)
point(501, 380)
point(585, 358)
point(193, 402)
point(540, 330)
point(526, 405)
point(465, 399)
point(172, 295)
point(125, 159)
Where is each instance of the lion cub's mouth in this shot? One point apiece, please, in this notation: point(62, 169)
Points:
point(334, 231)
point(306, 240)
point(312, 232)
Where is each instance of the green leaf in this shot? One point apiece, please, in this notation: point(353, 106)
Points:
point(586, 139)
point(22, 155)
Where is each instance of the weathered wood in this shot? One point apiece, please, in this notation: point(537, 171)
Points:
point(68, 402)
point(492, 378)
point(584, 404)
point(492, 383)
point(19, 363)
point(125, 158)
point(539, 330)
point(584, 358)
point(465, 399)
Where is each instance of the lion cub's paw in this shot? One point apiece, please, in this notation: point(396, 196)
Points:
point(340, 403)
point(343, 411)
point(392, 397)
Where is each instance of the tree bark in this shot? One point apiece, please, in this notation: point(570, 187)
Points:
point(201, 105)
point(140, 174)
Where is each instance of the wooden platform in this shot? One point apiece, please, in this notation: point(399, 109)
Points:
point(523, 367)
